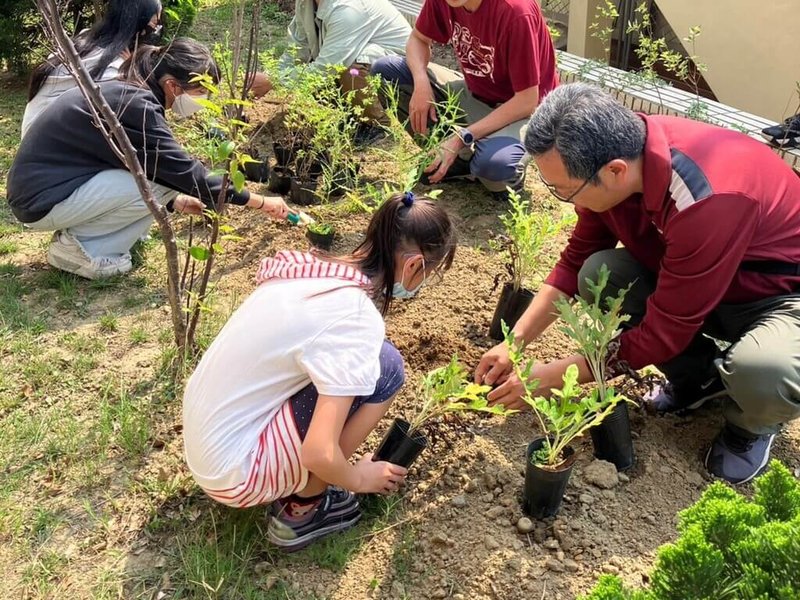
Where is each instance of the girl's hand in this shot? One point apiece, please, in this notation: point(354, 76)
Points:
point(379, 477)
point(274, 206)
point(188, 205)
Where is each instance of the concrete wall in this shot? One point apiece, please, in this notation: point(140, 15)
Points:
point(752, 50)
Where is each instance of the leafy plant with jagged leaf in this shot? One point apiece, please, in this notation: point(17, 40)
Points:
point(449, 389)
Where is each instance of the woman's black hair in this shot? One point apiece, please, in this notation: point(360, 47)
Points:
point(118, 31)
point(405, 222)
point(182, 59)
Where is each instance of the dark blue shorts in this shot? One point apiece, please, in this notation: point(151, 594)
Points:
point(389, 383)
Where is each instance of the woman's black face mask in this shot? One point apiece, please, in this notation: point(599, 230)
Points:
point(152, 35)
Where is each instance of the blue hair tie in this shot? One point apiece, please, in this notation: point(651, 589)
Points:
point(408, 198)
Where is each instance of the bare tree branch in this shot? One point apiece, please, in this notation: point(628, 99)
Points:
point(118, 141)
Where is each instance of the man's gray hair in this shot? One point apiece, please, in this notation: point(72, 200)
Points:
point(587, 127)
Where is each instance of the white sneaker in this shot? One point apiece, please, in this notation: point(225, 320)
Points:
point(67, 254)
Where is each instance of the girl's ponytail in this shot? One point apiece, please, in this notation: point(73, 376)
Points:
point(404, 221)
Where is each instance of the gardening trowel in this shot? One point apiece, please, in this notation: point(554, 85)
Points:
point(300, 217)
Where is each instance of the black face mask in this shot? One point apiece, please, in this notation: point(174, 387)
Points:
point(152, 36)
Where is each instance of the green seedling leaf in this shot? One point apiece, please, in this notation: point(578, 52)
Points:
point(199, 253)
point(238, 180)
point(226, 149)
point(208, 104)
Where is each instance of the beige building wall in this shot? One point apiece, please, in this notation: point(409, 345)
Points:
point(752, 49)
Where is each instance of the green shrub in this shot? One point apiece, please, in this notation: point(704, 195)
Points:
point(179, 16)
point(21, 39)
point(777, 491)
point(729, 547)
point(22, 42)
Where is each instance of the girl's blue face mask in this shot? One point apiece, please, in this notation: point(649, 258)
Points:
point(400, 291)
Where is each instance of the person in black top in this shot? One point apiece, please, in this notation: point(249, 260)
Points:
point(65, 177)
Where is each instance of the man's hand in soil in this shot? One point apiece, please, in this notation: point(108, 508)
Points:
point(445, 156)
point(510, 393)
point(379, 477)
point(420, 107)
point(495, 366)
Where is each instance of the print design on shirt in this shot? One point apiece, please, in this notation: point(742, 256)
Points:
point(475, 58)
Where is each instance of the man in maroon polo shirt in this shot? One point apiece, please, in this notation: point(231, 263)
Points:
point(507, 64)
point(709, 223)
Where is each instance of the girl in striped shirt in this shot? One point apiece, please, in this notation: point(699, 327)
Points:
point(302, 373)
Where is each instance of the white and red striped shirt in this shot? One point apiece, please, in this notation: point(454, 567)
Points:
point(309, 321)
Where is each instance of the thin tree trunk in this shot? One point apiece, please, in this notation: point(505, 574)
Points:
point(121, 145)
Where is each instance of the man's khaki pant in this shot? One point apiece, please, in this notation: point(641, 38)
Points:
point(761, 369)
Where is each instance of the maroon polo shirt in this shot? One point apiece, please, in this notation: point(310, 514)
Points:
point(712, 199)
point(504, 47)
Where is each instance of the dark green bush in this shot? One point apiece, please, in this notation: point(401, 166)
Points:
point(22, 41)
point(729, 548)
point(179, 15)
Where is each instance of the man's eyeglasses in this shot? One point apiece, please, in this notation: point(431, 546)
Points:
point(552, 189)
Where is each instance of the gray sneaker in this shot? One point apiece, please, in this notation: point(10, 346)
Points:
point(737, 455)
point(338, 510)
point(67, 254)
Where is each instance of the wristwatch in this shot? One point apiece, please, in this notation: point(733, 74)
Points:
point(466, 136)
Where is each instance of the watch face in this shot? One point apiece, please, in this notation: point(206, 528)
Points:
point(466, 136)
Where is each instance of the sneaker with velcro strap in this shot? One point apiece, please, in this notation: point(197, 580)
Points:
point(336, 511)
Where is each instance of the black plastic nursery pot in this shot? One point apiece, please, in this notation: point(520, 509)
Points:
point(612, 438)
point(345, 179)
point(544, 487)
point(303, 191)
point(509, 309)
point(323, 241)
point(256, 171)
point(280, 181)
point(285, 153)
point(398, 447)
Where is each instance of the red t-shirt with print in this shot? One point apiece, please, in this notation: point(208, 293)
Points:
point(504, 47)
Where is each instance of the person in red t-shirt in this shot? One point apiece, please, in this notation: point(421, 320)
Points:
point(709, 221)
point(508, 64)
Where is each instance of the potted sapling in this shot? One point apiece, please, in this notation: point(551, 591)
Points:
point(526, 233)
point(320, 235)
point(593, 324)
point(570, 411)
point(280, 180)
point(256, 168)
point(444, 390)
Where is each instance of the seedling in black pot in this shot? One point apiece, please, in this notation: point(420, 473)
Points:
point(567, 414)
point(321, 235)
point(280, 180)
point(593, 324)
point(444, 390)
point(527, 231)
point(257, 169)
